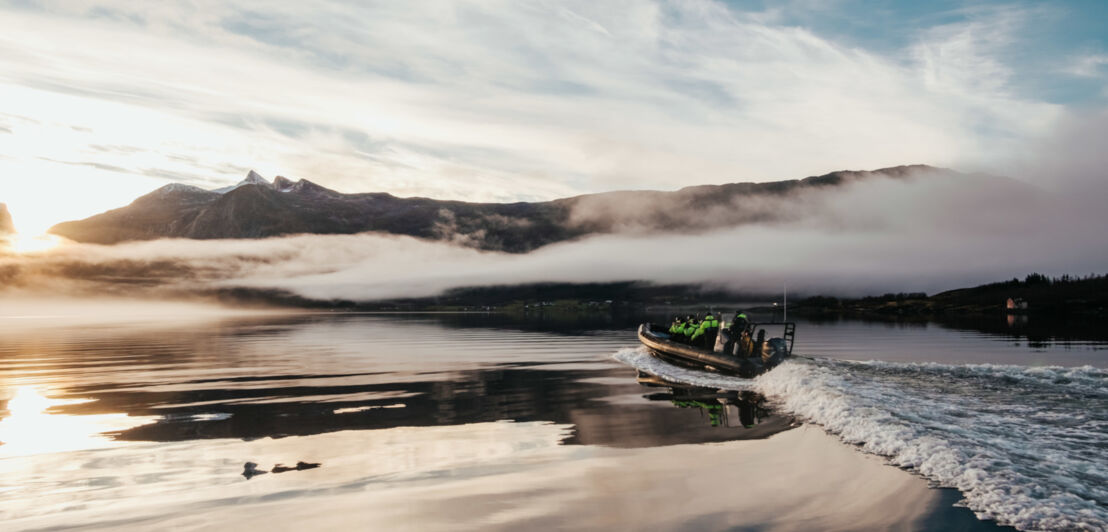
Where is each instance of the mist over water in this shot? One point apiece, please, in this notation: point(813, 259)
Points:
point(924, 233)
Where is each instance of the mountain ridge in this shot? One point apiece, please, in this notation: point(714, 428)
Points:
point(258, 208)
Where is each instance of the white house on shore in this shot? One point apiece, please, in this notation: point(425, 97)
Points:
point(1016, 304)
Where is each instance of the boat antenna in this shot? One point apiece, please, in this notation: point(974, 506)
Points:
point(785, 306)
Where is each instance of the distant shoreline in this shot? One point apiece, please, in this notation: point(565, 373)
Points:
point(1036, 296)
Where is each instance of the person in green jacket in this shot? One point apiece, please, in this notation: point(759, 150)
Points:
point(738, 324)
point(691, 327)
point(697, 335)
point(710, 332)
point(705, 334)
point(679, 330)
point(740, 335)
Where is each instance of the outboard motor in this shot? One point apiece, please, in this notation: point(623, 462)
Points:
point(774, 351)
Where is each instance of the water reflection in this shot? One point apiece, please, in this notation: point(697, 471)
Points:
point(284, 376)
point(742, 410)
point(723, 409)
point(139, 485)
point(1038, 332)
point(483, 416)
point(34, 426)
point(299, 376)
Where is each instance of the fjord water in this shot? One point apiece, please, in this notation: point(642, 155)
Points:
point(482, 421)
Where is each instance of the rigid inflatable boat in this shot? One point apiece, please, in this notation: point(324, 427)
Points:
point(747, 353)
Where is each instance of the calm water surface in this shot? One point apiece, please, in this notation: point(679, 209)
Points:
point(481, 421)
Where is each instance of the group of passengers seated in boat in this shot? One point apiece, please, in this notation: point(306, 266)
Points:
point(702, 333)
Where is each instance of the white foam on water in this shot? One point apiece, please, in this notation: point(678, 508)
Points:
point(356, 409)
point(1026, 446)
point(641, 359)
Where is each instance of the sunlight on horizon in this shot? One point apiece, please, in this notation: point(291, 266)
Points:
point(23, 244)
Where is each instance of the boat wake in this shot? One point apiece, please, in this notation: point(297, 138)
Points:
point(1024, 445)
point(641, 359)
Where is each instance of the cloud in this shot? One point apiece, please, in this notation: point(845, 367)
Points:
point(1088, 65)
point(1071, 161)
point(488, 101)
point(926, 233)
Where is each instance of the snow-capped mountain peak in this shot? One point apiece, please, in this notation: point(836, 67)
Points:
point(252, 178)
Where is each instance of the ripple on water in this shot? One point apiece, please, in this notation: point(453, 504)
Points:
point(1024, 445)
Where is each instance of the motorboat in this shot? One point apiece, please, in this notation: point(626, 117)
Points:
point(745, 353)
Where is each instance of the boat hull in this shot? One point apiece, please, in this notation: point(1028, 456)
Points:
point(686, 355)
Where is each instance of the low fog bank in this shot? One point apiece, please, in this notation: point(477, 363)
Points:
point(713, 207)
point(27, 313)
point(872, 236)
point(1072, 161)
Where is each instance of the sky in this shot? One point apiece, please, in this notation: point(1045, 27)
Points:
point(489, 100)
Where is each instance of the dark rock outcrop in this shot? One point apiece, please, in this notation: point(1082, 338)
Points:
point(7, 227)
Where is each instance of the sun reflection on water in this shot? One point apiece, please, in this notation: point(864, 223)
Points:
point(31, 428)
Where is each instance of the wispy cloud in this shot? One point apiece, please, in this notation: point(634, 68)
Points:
point(1088, 66)
point(487, 100)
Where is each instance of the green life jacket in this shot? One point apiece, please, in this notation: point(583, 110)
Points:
point(690, 329)
point(709, 323)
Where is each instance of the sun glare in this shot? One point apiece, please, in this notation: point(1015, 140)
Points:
point(31, 428)
point(33, 244)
